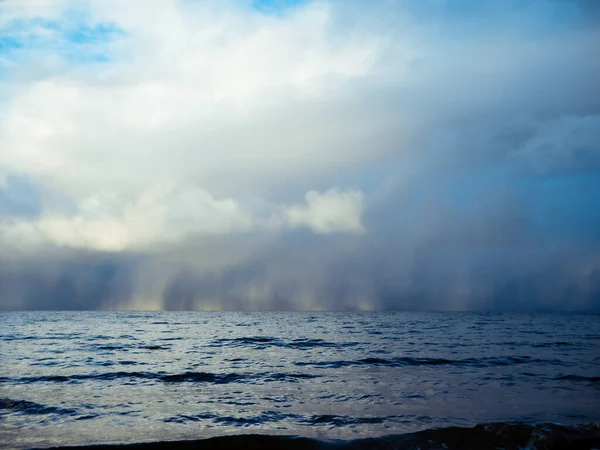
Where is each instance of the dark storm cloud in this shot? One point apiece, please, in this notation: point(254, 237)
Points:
point(495, 265)
point(66, 280)
point(424, 250)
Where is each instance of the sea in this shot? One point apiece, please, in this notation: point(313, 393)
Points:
point(80, 378)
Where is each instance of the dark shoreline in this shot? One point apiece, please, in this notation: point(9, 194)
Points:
point(506, 436)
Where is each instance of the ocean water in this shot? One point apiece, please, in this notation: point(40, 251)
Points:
point(105, 377)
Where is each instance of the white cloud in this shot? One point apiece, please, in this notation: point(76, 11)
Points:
point(106, 221)
point(328, 212)
point(167, 215)
point(228, 107)
point(205, 104)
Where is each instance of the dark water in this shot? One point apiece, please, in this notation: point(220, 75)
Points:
point(89, 377)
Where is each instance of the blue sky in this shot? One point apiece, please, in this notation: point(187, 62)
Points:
point(71, 37)
point(276, 6)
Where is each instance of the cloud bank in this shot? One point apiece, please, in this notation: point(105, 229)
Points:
point(308, 156)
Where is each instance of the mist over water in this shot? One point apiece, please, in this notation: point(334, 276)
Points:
point(88, 377)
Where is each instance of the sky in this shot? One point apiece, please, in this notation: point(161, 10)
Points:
point(300, 155)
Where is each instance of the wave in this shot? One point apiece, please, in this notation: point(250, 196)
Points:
point(553, 344)
point(253, 340)
point(50, 337)
point(127, 347)
point(263, 418)
point(18, 338)
point(578, 378)
point(340, 421)
point(274, 416)
point(484, 436)
point(408, 361)
point(185, 377)
point(25, 407)
point(261, 342)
